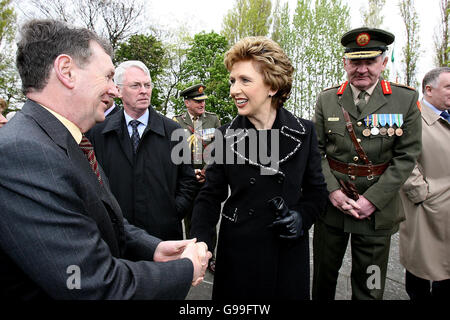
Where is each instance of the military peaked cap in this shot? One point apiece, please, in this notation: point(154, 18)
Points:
point(366, 43)
point(195, 92)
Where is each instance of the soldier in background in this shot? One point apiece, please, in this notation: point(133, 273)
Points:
point(369, 133)
point(200, 126)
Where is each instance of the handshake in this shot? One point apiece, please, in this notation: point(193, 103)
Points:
point(195, 251)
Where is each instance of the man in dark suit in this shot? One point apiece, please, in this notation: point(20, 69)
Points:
point(62, 233)
point(134, 147)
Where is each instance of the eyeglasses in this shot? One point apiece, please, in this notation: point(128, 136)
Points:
point(137, 86)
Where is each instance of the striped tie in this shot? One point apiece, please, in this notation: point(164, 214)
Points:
point(135, 134)
point(88, 149)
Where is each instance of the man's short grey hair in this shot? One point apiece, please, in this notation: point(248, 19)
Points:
point(432, 76)
point(124, 66)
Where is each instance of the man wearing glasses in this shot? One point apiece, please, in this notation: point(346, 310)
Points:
point(134, 148)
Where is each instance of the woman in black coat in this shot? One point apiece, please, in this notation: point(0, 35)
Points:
point(270, 161)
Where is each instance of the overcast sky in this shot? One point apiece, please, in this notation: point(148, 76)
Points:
point(199, 15)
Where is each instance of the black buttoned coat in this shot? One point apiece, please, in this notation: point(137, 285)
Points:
point(154, 193)
point(252, 261)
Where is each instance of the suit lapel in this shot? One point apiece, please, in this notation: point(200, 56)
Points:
point(346, 101)
point(62, 137)
point(376, 101)
point(187, 120)
point(428, 115)
point(117, 124)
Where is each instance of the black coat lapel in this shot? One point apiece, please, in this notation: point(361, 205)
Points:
point(290, 138)
point(117, 125)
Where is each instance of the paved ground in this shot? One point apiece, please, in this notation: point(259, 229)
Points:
point(395, 286)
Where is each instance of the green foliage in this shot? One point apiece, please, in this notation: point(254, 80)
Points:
point(441, 37)
point(247, 18)
point(204, 64)
point(312, 41)
point(7, 21)
point(150, 51)
point(276, 22)
point(9, 78)
point(411, 51)
point(372, 17)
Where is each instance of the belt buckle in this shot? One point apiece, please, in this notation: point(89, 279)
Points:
point(351, 170)
point(371, 175)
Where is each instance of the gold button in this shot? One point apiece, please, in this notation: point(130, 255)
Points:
point(359, 140)
point(359, 124)
point(355, 158)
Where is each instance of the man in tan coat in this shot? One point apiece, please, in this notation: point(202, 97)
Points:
point(425, 235)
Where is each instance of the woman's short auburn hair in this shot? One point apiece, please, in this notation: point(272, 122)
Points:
point(272, 62)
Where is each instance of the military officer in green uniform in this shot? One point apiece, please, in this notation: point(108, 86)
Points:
point(369, 133)
point(200, 126)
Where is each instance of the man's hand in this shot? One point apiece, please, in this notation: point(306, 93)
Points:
point(199, 255)
point(200, 175)
point(344, 203)
point(366, 208)
point(170, 250)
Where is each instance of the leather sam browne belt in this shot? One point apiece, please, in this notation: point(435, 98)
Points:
point(368, 170)
point(357, 170)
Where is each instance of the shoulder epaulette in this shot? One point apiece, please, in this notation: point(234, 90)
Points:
point(333, 87)
point(386, 86)
point(342, 88)
point(403, 86)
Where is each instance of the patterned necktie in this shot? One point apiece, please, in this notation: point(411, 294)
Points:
point(445, 115)
point(362, 101)
point(88, 150)
point(135, 135)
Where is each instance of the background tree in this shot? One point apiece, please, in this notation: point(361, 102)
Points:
point(114, 20)
point(149, 50)
point(372, 16)
point(411, 51)
point(177, 45)
point(204, 63)
point(9, 78)
point(314, 25)
point(441, 37)
point(247, 18)
point(276, 21)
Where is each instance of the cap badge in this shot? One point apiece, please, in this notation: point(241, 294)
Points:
point(363, 39)
point(200, 90)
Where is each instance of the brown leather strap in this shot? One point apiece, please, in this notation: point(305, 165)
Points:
point(348, 123)
point(352, 169)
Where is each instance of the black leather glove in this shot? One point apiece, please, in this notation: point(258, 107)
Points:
point(288, 223)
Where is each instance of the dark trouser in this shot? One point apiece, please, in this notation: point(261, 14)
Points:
point(422, 289)
point(369, 262)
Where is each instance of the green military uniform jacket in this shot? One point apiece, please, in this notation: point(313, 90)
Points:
point(400, 151)
point(200, 135)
